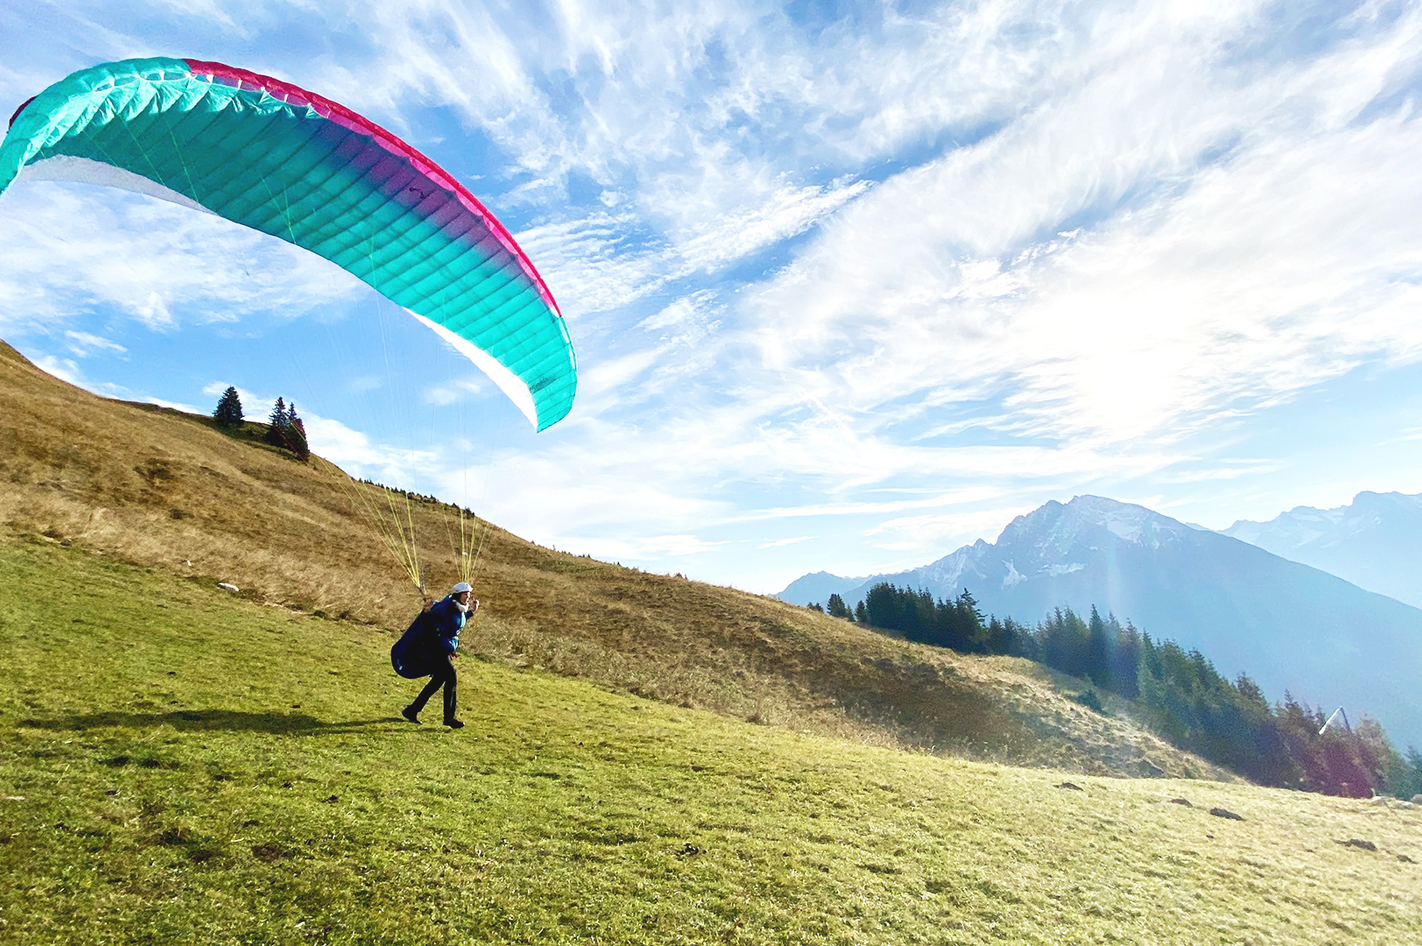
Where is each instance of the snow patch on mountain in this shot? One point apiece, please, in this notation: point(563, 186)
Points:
point(1127, 522)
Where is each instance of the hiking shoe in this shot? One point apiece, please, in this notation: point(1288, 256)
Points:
point(454, 724)
point(410, 714)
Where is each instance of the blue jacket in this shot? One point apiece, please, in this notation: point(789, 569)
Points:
point(431, 632)
point(446, 621)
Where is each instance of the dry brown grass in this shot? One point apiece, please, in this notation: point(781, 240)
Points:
point(163, 489)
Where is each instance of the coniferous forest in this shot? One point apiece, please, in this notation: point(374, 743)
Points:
point(1186, 701)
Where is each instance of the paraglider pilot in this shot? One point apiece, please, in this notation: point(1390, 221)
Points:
point(429, 647)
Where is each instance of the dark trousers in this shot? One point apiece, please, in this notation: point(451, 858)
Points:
point(443, 675)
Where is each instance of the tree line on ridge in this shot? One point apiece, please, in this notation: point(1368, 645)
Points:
point(1185, 700)
point(284, 428)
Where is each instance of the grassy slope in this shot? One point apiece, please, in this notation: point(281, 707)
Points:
point(179, 765)
point(163, 489)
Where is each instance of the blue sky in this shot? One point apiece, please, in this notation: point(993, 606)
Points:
point(851, 284)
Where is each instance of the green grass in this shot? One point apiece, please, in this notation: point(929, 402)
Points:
point(179, 765)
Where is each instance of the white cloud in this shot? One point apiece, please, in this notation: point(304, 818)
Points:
point(593, 266)
point(356, 453)
point(831, 279)
point(451, 393)
point(71, 248)
point(642, 548)
point(588, 265)
point(1232, 282)
point(785, 212)
point(83, 343)
point(175, 405)
point(874, 508)
point(935, 535)
point(65, 369)
point(781, 543)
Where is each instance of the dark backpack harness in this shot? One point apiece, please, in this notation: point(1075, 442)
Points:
point(411, 655)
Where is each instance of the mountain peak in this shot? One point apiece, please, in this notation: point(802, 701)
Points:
point(1058, 526)
point(1373, 542)
point(1289, 626)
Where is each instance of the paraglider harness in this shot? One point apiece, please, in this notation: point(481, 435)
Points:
point(412, 655)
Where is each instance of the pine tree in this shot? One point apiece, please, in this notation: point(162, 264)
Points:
point(1126, 658)
point(278, 425)
point(229, 409)
point(968, 618)
point(296, 440)
point(1098, 650)
point(286, 430)
point(296, 434)
point(997, 639)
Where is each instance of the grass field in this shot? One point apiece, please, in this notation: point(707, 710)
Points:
point(180, 765)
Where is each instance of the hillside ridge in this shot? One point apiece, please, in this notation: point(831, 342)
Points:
point(168, 490)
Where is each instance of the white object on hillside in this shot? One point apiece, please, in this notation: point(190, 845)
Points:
point(1336, 713)
point(228, 587)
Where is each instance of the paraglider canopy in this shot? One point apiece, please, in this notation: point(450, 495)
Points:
point(274, 157)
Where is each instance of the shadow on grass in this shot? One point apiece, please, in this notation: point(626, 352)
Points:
point(208, 720)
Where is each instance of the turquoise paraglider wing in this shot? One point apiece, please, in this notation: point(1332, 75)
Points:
point(285, 161)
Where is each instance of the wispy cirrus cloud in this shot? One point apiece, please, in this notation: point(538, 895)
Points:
point(82, 343)
point(70, 248)
point(875, 276)
point(1224, 257)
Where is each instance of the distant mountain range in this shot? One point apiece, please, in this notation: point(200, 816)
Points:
point(1375, 542)
point(1288, 625)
